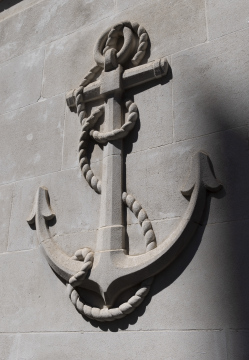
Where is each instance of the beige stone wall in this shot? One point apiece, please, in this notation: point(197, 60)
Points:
point(198, 307)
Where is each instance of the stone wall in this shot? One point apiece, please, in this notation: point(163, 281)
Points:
point(197, 307)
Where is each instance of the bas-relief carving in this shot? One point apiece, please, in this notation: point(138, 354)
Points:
point(110, 270)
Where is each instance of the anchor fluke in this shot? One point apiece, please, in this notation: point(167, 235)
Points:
point(64, 265)
point(201, 173)
point(41, 212)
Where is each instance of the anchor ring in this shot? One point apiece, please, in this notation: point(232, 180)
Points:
point(124, 53)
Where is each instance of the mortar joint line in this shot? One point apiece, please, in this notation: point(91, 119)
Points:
point(63, 138)
point(43, 72)
point(11, 210)
point(206, 19)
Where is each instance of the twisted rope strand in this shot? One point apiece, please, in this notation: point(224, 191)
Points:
point(87, 124)
point(140, 213)
point(87, 256)
point(88, 78)
point(112, 314)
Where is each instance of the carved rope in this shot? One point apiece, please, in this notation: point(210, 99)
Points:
point(123, 131)
point(142, 34)
point(140, 213)
point(86, 255)
point(87, 125)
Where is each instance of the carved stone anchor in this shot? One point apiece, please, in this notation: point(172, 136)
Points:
point(110, 270)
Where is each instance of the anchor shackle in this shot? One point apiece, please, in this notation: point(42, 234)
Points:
point(106, 53)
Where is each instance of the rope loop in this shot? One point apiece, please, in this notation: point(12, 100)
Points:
point(123, 131)
point(109, 40)
point(87, 256)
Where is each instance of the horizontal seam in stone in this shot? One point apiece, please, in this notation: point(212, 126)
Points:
point(207, 42)
point(31, 104)
point(45, 44)
point(193, 138)
point(121, 331)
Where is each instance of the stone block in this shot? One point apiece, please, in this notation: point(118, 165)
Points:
point(48, 23)
point(201, 345)
point(210, 86)
point(70, 197)
point(155, 124)
point(32, 140)
point(237, 344)
point(171, 36)
point(18, 77)
point(6, 193)
point(226, 16)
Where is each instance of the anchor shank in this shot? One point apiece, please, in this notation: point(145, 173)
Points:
point(111, 229)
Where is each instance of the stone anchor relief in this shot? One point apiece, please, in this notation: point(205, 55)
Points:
point(109, 270)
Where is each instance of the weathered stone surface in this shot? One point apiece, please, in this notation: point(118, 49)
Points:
point(70, 198)
point(200, 345)
point(237, 344)
point(32, 140)
point(43, 23)
point(18, 77)
point(210, 87)
point(6, 193)
point(226, 16)
point(68, 60)
point(8, 346)
point(36, 300)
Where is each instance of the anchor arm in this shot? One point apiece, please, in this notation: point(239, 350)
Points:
point(60, 262)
